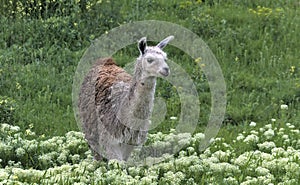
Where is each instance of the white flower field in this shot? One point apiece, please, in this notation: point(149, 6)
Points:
point(259, 155)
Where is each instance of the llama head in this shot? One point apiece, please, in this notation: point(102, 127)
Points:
point(153, 58)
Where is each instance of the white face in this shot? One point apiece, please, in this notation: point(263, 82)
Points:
point(154, 62)
point(154, 59)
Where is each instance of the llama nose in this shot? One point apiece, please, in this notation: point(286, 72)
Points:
point(166, 71)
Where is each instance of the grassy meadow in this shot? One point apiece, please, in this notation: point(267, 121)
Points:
point(255, 42)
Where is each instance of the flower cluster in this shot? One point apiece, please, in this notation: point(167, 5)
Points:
point(267, 154)
point(264, 11)
point(39, 153)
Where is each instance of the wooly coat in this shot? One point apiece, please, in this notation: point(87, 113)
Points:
point(115, 108)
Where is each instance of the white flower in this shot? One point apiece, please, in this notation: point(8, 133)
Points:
point(292, 126)
point(252, 124)
point(146, 180)
point(261, 171)
point(45, 159)
point(293, 167)
point(197, 168)
point(59, 141)
point(249, 180)
point(291, 150)
point(173, 118)
point(266, 145)
point(278, 151)
point(3, 174)
point(285, 136)
point(199, 136)
point(280, 132)
point(229, 168)
point(284, 107)
point(171, 177)
point(133, 171)
point(62, 158)
point(251, 138)
point(273, 120)
point(265, 179)
point(182, 153)
point(180, 175)
point(268, 126)
point(219, 139)
point(183, 142)
point(282, 161)
point(186, 161)
point(296, 131)
point(240, 137)
point(173, 131)
point(230, 180)
point(269, 133)
point(207, 152)
point(5, 126)
point(266, 156)
point(254, 132)
point(242, 159)
point(222, 156)
point(14, 128)
point(29, 132)
point(31, 146)
point(190, 150)
point(20, 152)
point(211, 159)
point(286, 142)
point(257, 153)
point(226, 145)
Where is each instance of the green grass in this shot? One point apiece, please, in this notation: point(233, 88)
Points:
point(255, 42)
point(256, 54)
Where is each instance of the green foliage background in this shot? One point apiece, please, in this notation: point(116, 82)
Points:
point(255, 42)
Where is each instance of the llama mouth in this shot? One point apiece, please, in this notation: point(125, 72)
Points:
point(164, 73)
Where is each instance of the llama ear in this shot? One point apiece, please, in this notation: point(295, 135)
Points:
point(164, 42)
point(142, 45)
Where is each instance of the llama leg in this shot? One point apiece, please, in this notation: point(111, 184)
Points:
point(123, 151)
point(97, 156)
point(120, 151)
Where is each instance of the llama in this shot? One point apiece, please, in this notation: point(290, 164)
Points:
point(115, 108)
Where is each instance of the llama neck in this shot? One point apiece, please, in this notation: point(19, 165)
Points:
point(141, 95)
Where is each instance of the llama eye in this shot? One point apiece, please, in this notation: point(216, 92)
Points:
point(150, 60)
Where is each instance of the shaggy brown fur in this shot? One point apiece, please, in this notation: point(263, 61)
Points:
point(115, 108)
point(100, 92)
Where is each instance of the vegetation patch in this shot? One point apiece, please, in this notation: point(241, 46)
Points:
point(255, 42)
